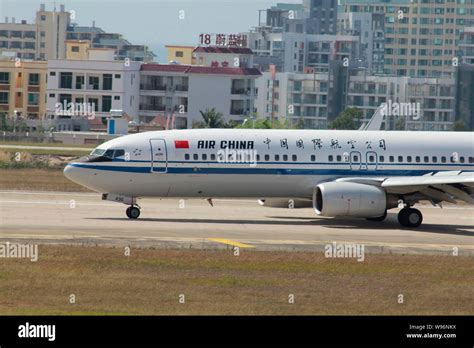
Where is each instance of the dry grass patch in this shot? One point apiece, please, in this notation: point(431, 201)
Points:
point(216, 282)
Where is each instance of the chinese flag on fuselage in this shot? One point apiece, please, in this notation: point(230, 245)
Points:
point(181, 144)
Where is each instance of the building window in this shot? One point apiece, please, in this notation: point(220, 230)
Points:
point(33, 98)
point(3, 97)
point(75, 48)
point(66, 80)
point(118, 76)
point(5, 78)
point(179, 54)
point(79, 82)
point(52, 95)
point(106, 103)
point(107, 82)
point(33, 79)
point(117, 97)
point(94, 82)
point(52, 73)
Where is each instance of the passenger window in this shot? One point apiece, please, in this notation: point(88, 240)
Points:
point(204, 157)
point(462, 160)
point(443, 159)
point(452, 159)
point(471, 159)
point(338, 158)
point(195, 156)
point(313, 158)
point(285, 158)
point(435, 159)
point(213, 157)
point(371, 159)
point(418, 159)
point(409, 159)
point(295, 158)
point(267, 158)
point(186, 157)
point(382, 159)
point(427, 159)
point(392, 159)
point(400, 158)
point(331, 158)
point(277, 158)
point(258, 158)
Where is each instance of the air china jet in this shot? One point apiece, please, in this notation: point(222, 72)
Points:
point(338, 173)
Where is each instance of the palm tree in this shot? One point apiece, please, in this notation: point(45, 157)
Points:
point(212, 119)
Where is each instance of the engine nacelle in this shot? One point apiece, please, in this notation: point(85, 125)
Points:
point(349, 199)
point(285, 203)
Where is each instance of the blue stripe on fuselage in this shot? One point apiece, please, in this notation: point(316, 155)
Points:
point(258, 171)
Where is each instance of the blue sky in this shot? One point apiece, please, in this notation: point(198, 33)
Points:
point(153, 22)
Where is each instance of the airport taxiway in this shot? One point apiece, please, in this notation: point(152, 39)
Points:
point(82, 218)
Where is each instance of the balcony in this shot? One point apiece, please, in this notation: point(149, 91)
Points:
point(152, 107)
point(152, 87)
point(181, 88)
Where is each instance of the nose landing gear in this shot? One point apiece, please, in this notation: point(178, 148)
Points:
point(133, 212)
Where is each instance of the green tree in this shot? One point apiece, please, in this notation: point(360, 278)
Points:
point(459, 126)
point(348, 119)
point(3, 122)
point(211, 119)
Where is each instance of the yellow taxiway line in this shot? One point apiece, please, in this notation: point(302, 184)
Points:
point(230, 242)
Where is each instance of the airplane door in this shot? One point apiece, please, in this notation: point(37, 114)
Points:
point(371, 160)
point(355, 158)
point(159, 156)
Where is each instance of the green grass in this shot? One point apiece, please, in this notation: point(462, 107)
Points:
point(149, 281)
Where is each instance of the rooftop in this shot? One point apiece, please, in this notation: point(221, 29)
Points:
point(191, 69)
point(226, 50)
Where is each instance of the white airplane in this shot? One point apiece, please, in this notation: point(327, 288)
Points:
point(339, 173)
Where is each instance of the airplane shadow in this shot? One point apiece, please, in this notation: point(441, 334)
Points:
point(336, 223)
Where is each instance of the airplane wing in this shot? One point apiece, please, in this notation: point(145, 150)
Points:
point(451, 186)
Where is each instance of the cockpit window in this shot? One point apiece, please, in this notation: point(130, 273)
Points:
point(102, 155)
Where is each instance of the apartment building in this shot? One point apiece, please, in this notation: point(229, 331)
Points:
point(370, 29)
point(434, 96)
point(180, 54)
point(182, 91)
point(234, 57)
point(421, 36)
point(81, 90)
point(44, 39)
point(464, 95)
point(23, 89)
point(466, 46)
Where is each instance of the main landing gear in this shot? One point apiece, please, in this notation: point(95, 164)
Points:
point(410, 217)
point(133, 212)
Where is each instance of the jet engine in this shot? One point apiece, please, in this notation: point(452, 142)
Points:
point(350, 199)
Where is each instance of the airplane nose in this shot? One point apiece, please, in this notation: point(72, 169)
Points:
point(75, 174)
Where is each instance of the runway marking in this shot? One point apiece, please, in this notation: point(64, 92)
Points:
point(230, 242)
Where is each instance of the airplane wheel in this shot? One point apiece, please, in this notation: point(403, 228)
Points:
point(378, 219)
point(133, 213)
point(410, 217)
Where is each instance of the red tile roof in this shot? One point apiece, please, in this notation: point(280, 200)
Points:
point(227, 50)
point(191, 69)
